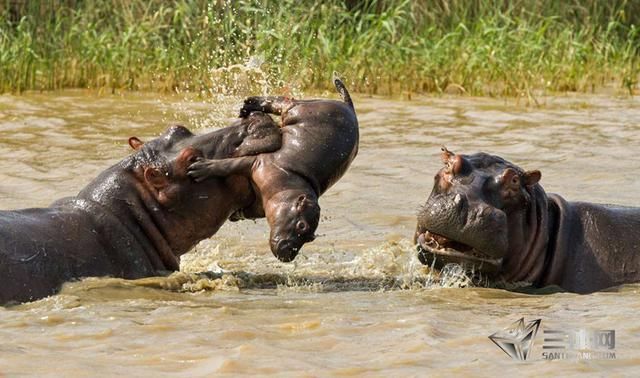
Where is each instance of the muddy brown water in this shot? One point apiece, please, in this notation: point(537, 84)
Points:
point(356, 301)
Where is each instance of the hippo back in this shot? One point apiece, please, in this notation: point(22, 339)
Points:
point(41, 248)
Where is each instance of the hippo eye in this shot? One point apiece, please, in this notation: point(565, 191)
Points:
point(515, 180)
point(301, 226)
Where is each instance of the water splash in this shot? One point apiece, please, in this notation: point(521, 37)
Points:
point(393, 265)
point(219, 99)
point(454, 275)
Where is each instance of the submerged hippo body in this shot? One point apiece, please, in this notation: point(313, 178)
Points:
point(319, 142)
point(134, 220)
point(487, 212)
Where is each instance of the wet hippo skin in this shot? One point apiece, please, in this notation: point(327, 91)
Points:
point(319, 142)
point(487, 212)
point(136, 218)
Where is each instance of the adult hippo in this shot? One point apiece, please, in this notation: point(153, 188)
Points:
point(487, 212)
point(135, 219)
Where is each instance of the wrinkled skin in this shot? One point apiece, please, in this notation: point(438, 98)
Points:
point(319, 142)
point(487, 212)
point(134, 220)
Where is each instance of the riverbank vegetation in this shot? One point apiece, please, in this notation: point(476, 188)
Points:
point(480, 47)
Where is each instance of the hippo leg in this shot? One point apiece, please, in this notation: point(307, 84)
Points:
point(256, 146)
point(205, 168)
point(264, 136)
point(268, 104)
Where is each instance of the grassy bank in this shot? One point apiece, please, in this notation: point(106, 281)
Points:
point(482, 47)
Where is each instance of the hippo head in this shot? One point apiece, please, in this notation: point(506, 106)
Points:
point(163, 163)
point(483, 211)
point(190, 211)
point(293, 216)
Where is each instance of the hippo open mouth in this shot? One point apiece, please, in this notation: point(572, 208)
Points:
point(453, 251)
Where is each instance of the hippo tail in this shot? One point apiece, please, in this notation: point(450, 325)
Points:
point(344, 93)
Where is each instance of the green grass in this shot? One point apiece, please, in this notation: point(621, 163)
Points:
point(482, 47)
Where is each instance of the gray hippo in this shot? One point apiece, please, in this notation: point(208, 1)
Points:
point(319, 142)
point(136, 218)
point(487, 212)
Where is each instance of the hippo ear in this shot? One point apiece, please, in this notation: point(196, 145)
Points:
point(156, 178)
point(532, 177)
point(445, 155)
point(135, 143)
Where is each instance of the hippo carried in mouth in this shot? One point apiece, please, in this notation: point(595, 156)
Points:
point(319, 142)
point(487, 212)
point(136, 218)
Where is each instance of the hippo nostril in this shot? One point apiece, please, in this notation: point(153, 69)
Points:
point(285, 250)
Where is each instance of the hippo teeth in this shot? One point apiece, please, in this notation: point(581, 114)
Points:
point(441, 242)
point(440, 245)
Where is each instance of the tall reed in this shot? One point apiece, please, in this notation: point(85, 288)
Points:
point(486, 47)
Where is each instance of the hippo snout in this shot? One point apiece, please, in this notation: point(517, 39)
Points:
point(285, 250)
point(444, 211)
point(465, 219)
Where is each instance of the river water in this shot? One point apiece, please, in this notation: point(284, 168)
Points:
point(356, 301)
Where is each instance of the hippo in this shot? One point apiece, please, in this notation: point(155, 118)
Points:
point(319, 142)
point(136, 218)
point(489, 213)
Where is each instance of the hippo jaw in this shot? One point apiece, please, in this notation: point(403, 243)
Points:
point(450, 251)
point(453, 228)
point(458, 228)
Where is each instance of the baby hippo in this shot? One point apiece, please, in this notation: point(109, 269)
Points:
point(319, 142)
